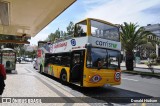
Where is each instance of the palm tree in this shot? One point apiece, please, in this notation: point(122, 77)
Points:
point(132, 36)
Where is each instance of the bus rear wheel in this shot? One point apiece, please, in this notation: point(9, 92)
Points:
point(41, 69)
point(63, 77)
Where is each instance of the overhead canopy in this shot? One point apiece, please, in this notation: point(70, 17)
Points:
point(28, 17)
point(7, 49)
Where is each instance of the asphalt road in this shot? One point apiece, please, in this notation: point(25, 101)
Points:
point(28, 82)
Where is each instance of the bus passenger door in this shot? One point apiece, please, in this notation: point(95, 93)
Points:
point(76, 69)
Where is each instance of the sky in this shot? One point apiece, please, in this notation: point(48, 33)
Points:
point(142, 12)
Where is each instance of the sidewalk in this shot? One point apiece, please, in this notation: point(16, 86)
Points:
point(143, 69)
point(144, 66)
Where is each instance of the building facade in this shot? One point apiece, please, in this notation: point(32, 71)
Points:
point(154, 28)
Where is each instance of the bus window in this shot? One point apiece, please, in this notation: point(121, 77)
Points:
point(76, 59)
point(66, 61)
point(104, 58)
point(52, 60)
point(57, 60)
point(81, 29)
point(113, 59)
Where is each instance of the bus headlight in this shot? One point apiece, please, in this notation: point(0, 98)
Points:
point(117, 76)
point(95, 78)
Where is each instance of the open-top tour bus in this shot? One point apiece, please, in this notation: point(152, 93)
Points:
point(90, 59)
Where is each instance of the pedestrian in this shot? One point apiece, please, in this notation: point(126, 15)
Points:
point(2, 78)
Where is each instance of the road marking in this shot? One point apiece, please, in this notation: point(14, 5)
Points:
point(129, 79)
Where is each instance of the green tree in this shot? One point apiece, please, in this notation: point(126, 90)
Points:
point(153, 56)
point(20, 50)
point(70, 29)
point(132, 36)
point(149, 47)
point(57, 33)
point(51, 37)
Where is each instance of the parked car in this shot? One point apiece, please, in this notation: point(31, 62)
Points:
point(34, 59)
point(18, 60)
point(28, 59)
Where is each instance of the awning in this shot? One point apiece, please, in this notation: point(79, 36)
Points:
point(28, 17)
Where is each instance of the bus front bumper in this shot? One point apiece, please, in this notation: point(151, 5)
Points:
point(92, 84)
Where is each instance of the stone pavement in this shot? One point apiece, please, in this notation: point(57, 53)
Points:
point(27, 82)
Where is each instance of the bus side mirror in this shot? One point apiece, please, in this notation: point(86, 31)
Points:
point(99, 65)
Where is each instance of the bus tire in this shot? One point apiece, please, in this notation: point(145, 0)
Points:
point(40, 69)
point(63, 77)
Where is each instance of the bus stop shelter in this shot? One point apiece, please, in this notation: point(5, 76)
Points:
point(28, 17)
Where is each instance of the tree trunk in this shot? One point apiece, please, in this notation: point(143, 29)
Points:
point(129, 60)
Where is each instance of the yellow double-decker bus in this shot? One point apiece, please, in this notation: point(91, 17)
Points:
point(89, 59)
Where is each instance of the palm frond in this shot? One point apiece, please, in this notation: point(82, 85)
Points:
point(133, 36)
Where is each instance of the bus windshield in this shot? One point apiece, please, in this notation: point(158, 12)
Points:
point(105, 31)
point(103, 58)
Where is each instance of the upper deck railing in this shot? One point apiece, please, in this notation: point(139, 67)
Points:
point(97, 28)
